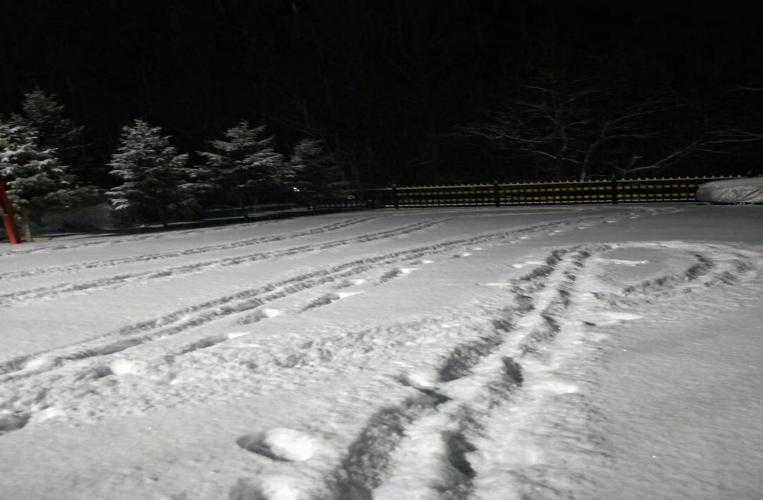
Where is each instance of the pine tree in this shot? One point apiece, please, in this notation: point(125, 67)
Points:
point(244, 165)
point(46, 114)
point(37, 181)
point(314, 173)
point(157, 185)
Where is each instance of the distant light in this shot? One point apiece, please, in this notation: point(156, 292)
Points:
point(296, 189)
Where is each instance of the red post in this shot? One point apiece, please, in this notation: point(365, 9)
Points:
point(7, 210)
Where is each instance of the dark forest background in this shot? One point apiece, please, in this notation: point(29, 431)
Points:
point(399, 90)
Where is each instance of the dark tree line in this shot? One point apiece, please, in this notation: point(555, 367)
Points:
point(391, 87)
point(154, 181)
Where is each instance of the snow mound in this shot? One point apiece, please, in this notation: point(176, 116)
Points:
point(610, 318)
point(748, 190)
point(520, 265)
point(281, 443)
point(419, 379)
point(39, 363)
point(123, 367)
point(271, 313)
point(266, 488)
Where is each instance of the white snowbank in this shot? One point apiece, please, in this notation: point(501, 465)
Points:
point(747, 190)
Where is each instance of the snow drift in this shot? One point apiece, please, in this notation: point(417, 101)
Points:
point(747, 190)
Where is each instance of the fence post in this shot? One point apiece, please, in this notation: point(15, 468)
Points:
point(496, 194)
point(395, 200)
point(613, 187)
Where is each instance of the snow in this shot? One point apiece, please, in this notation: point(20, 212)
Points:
point(281, 443)
point(544, 352)
point(747, 190)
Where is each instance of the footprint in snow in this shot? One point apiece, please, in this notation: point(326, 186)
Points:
point(349, 283)
point(259, 316)
point(328, 298)
point(281, 443)
point(13, 421)
point(395, 273)
point(461, 255)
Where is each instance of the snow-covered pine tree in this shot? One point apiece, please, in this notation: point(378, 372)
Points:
point(314, 172)
point(36, 180)
point(244, 166)
point(46, 114)
point(157, 185)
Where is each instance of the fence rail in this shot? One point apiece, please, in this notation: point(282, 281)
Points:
point(539, 193)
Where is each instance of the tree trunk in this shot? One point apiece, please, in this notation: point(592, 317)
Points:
point(583, 172)
point(25, 229)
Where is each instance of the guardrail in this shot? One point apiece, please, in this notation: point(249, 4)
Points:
point(539, 193)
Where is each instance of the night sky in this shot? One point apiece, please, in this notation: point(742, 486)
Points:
point(385, 83)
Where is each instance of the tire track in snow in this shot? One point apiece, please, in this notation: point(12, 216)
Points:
point(441, 443)
point(435, 440)
point(99, 264)
point(365, 466)
point(92, 352)
point(537, 349)
point(21, 368)
point(172, 272)
point(458, 422)
point(94, 390)
point(711, 265)
point(114, 240)
point(250, 299)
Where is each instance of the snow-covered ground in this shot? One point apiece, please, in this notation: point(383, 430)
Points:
point(528, 352)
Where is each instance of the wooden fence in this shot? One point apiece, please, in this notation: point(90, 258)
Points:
point(538, 193)
point(498, 194)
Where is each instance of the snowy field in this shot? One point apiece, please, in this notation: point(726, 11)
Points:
point(529, 352)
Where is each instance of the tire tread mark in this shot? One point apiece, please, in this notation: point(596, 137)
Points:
point(98, 264)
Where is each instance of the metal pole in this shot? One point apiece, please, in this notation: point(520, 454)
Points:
point(496, 194)
point(395, 200)
point(7, 209)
